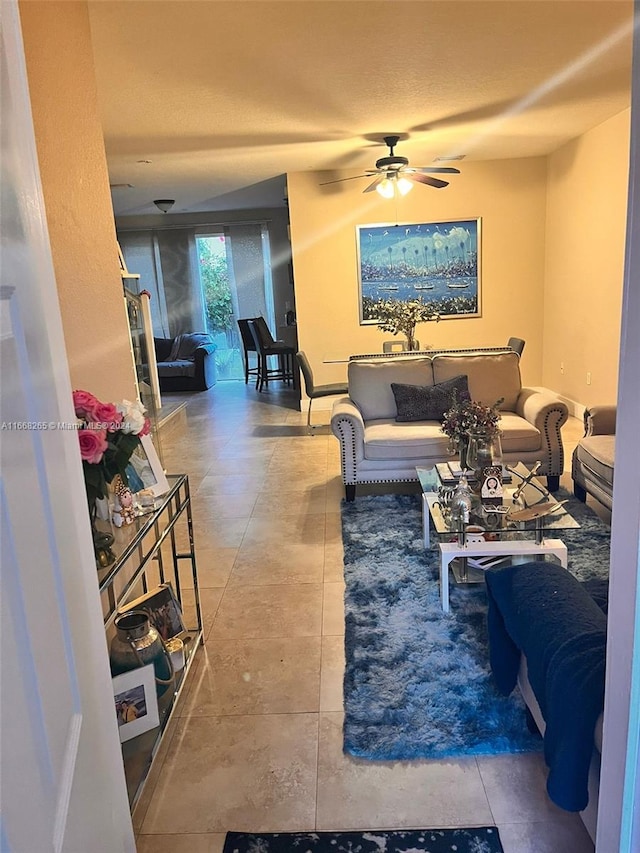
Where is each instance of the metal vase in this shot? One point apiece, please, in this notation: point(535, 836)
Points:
point(136, 644)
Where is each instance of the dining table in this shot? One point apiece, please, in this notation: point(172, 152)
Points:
point(336, 358)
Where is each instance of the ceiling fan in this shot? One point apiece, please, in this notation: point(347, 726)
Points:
point(395, 174)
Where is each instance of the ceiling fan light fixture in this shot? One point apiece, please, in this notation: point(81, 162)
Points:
point(385, 188)
point(164, 204)
point(404, 186)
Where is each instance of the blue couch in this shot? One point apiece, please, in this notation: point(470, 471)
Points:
point(186, 362)
point(548, 634)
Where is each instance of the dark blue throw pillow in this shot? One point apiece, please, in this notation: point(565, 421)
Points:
point(428, 402)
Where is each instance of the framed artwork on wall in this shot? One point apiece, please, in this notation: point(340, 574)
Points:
point(434, 262)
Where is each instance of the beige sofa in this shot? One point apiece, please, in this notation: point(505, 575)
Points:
point(375, 448)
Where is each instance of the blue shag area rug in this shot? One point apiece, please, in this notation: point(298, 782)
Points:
point(417, 681)
point(481, 839)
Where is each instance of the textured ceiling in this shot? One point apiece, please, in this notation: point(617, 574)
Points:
point(224, 97)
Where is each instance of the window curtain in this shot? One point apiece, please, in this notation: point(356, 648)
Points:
point(138, 248)
point(181, 279)
point(248, 262)
point(167, 261)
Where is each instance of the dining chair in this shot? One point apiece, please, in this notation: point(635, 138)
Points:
point(516, 344)
point(314, 391)
point(248, 344)
point(266, 347)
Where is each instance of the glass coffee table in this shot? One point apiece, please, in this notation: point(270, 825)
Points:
point(516, 531)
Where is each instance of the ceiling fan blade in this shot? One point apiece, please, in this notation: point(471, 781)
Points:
point(373, 186)
point(427, 179)
point(436, 170)
point(340, 180)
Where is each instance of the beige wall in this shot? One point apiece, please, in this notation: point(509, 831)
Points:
point(586, 219)
point(509, 196)
point(75, 183)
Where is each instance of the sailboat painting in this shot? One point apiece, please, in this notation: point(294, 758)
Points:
point(434, 262)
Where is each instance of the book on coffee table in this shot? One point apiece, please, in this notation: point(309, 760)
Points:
point(450, 473)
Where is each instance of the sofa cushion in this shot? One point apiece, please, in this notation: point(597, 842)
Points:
point(428, 402)
point(370, 383)
point(387, 440)
point(596, 452)
point(517, 434)
point(184, 346)
point(491, 377)
point(167, 369)
point(163, 348)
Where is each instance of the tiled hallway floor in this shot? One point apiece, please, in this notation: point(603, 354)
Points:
point(256, 741)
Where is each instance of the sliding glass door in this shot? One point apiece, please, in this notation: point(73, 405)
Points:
point(219, 305)
point(235, 276)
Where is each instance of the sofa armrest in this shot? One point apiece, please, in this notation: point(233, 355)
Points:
point(205, 366)
point(600, 420)
point(347, 424)
point(201, 352)
point(547, 414)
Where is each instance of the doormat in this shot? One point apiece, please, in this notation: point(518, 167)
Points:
point(481, 839)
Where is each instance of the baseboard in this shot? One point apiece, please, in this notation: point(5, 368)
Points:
point(576, 409)
point(321, 404)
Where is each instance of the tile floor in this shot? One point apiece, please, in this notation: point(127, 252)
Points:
point(255, 744)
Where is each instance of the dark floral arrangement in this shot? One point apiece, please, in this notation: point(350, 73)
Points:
point(468, 416)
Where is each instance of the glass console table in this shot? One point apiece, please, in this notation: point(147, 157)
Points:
point(156, 548)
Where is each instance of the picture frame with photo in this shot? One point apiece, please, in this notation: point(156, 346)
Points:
point(163, 609)
point(144, 470)
point(136, 702)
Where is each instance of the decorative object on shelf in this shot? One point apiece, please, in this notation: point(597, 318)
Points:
point(108, 434)
point(136, 644)
point(467, 417)
point(123, 508)
point(461, 502)
point(436, 261)
point(475, 534)
point(484, 458)
point(136, 702)
point(491, 485)
point(175, 647)
point(396, 316)
point(163, 609)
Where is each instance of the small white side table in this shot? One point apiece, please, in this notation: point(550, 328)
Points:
point(517, 548)
point(513, 548)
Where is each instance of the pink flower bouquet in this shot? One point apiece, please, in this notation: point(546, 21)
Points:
point(108, 434)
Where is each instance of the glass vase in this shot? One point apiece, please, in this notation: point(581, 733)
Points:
point(483, 450)
point(463, 453)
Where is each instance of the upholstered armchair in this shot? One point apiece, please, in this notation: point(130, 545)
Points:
point(593, 458)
